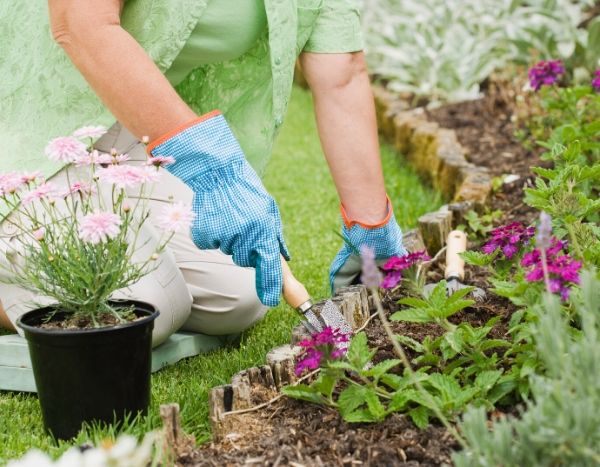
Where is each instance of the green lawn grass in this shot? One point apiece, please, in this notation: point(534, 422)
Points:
point(299, 180)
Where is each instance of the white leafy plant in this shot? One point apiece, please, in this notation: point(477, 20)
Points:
point(78, 244)
point(444, 49)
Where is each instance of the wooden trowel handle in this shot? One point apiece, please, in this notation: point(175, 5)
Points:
point(455, 265)
point(294, 292)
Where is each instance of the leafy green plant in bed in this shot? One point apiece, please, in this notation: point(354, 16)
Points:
point(560, 426)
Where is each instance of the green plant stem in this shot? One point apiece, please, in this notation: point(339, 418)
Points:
point(400, 353)
point(368, 383)
point(573, 237)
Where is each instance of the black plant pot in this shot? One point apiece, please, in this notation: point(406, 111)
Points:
point(90, 375)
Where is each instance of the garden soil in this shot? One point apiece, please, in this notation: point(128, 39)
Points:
point(485, 128)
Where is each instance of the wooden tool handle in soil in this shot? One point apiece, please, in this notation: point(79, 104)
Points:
point(455, 265)
point(294, 292)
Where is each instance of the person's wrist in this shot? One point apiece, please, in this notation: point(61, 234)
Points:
point(373, 216)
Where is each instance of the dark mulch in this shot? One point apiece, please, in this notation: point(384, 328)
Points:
point(307, 435)
point(485, 129)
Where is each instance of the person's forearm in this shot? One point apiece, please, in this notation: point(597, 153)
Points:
point(347, 126)
point(117, 67)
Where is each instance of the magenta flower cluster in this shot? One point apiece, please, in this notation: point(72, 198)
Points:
point(396, 264)
point(327, 345)
point(596, 81)
point(563, 271)
point(508, 239)
point(545, 73)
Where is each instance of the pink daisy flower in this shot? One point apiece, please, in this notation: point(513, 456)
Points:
point(89, 132)
point(176, 217)
point(80, 187)
point(127, 176)
point(38, 234)
point(30, 177)
point(99, 227)
point(160, 161)
point(10, 183)
point(65, 149)
point(47, 191)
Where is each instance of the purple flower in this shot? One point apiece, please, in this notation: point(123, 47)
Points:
point(596, 81)
point(545, 73)
point(563, 271)
point(396, 264)
point(508, 239)
point(327, 345)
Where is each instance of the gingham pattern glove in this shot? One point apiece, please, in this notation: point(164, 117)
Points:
point(384, 238)
point(233, 210)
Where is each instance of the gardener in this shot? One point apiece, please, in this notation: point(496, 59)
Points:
point(162, 68)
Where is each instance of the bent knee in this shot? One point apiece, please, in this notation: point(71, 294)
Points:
point(219, 314)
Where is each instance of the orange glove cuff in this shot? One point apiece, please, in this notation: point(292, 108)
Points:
point(350, 223)
point(161, 139)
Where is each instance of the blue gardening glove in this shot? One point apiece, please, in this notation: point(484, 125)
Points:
point(233, 210)
point(384, 238)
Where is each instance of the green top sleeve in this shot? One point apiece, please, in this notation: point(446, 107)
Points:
point(336, 29)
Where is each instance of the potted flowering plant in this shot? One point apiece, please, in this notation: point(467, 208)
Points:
point(74, 247)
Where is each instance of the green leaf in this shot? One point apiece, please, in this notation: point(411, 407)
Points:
point(351, 399)
point(394, 381)
point(446, 384)
point(381, 368)
point(411, 343)
point(374, 404)
point(476, 258)
point(303, 392)
point(359, 353)
point(412, 315)
point(486, 379)
point(413, 302)
point(398, 402)
point(325, 384)
point(493, 344)
point(360, 416)
point(420, 417)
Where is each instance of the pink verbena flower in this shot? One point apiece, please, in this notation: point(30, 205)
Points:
point(99, 227)
point(324, 346)
point(176, 217)
point(10, 183)
point(545, 73)
point(65, 149)
point(89, 132)
point(396, 264)
point(161, 161)
point(563, 270)
point(47, 191)
point(596, 81)
point(508, 239)
point(127, 176)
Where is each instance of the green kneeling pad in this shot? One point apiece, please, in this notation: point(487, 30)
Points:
point(15, 367)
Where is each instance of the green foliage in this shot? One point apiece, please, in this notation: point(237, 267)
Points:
point(568, 191)
point(478, 226)
point(444, 50)
point(560, 426)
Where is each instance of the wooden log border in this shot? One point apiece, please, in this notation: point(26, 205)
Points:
point(438, 157)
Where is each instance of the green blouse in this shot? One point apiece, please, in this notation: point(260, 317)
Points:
point(42, 95)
